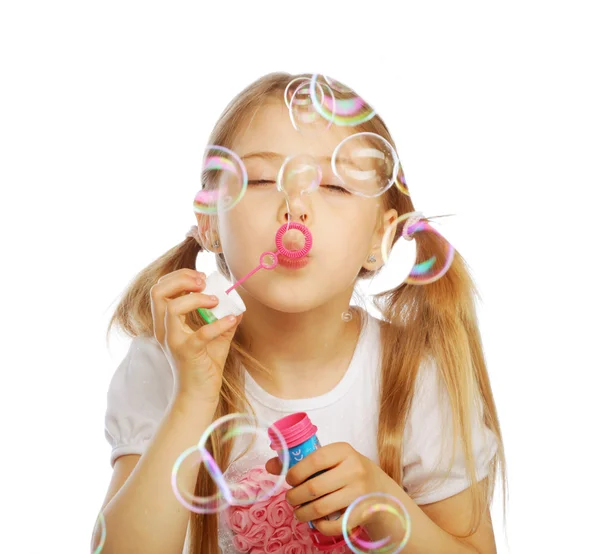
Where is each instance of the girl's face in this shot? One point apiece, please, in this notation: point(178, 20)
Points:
point(345, 228)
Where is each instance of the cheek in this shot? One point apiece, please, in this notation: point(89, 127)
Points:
point(236, 241)
point(237, 227)
point(244, 239)
point(351, 236)
point(344, 260)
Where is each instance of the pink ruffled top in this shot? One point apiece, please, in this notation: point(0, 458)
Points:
point(267, 526)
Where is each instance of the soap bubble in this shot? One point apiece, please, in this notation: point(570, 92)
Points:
point(344, 107)
point(248, 433)
point(291, 87)
point(303, 112)
point(322, 100)
point(393, 515)
point(227, 175)
point(301, 108)
point(425, 271)
point(366, 163)
point(347, 316)
point(299, 174)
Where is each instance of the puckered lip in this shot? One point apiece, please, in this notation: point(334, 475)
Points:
point(281, 255)
point(293, 262)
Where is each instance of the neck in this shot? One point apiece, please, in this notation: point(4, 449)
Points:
point(306, 353)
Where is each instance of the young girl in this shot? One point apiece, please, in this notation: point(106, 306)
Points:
point(403, 405)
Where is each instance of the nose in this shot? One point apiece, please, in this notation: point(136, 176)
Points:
point(296, 209)
point(301, 217)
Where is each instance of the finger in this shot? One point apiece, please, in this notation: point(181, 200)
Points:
point(322, 459)
point(178, 283)
point(316, 487)
point(274, 466)
point(334, 528)
point(176, 311)
point(228, 335)
point(178, 308)
point(224, 326)
point(326, 505)
point(178, 274)
point(171, 286)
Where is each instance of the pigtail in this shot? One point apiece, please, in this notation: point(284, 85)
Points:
point(436, 321)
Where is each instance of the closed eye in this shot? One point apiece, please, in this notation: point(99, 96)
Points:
point(335, 188)
point(261, 182)
point(266, 182)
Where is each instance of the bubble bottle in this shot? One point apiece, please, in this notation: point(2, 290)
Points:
point(300, 436)
point(230, 303)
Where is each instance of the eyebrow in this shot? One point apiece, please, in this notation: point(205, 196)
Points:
point(263, 155)
point(275, 156)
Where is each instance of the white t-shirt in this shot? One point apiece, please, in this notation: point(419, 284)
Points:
point(141, 389)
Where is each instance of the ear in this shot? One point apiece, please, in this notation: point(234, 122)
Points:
point(208, 232)
point(374, 258)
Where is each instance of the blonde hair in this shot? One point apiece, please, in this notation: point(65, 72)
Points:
point(436, 320)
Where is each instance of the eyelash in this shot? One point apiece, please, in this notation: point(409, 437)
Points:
point(334, 188)
point(261, 182)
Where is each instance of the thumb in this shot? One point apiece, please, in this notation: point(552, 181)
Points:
point(228, 335)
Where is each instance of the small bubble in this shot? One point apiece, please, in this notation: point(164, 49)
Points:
point(347, 316)
point(392, 514)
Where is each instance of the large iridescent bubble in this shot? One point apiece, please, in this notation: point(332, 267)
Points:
point(338, 103)
point(224, 168)
point(246, 431)
point(426, 271)
point(366, 163)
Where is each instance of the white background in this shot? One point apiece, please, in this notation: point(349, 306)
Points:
point(105, 110)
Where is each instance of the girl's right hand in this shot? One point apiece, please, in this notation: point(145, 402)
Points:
point(197, 358)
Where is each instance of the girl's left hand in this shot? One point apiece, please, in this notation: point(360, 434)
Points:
point(348, 475)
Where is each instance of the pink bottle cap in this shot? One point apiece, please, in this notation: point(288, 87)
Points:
point(295, 429)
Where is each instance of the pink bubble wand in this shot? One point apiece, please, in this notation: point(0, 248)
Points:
point(292, 254)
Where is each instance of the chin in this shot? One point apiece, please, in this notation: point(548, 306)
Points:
point(285, 296)
point(289, 303)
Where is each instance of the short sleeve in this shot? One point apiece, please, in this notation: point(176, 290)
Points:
point(138, 396)
point(428, 443)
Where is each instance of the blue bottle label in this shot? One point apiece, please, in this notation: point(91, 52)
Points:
point(300, 452)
